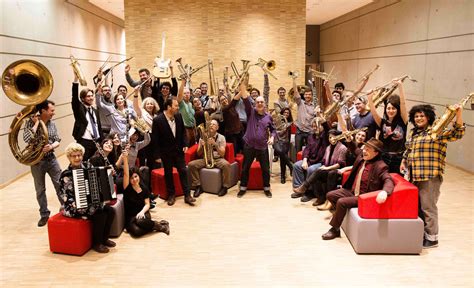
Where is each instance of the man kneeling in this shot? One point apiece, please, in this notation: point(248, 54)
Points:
point(369, 173)
point(216, 142)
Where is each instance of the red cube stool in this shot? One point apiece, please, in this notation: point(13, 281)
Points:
point(255, 177)
point(69, 235)
point(158, 184)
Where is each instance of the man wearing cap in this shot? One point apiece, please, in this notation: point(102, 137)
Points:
point(368, 174)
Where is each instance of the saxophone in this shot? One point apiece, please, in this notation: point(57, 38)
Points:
point(441, 123)
point(349, 133)
point(204, 132)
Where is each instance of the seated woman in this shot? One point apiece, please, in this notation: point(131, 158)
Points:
point(137, 204)
point(101, 215)
point(334, 158)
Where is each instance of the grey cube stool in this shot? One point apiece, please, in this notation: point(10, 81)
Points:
point(383, 236)
point(119, 221)
point(211, 179)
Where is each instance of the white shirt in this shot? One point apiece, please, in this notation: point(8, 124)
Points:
point(88, 133)
point(172, 123)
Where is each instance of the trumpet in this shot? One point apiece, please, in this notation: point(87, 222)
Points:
point(293, 74)
point(347, 134)
point(77, 70)
point(323, 75)
point(441, 123)
point(267, 66)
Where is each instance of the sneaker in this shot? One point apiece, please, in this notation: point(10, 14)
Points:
point(43, 221)
point(429, 244)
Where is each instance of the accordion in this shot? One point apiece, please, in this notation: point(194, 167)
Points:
point(93, 186)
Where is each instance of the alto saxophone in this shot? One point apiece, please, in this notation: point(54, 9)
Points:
point(349, 133)
point(204, 132)
point(441, 123)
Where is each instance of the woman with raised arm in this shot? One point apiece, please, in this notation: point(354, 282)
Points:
point(137, 204)
point(392, 127)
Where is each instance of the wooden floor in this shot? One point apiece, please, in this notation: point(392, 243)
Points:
point(252, 241)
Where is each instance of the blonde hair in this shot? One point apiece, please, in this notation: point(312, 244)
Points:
point(156, 108)
point(74, 147)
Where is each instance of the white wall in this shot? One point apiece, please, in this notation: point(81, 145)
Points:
point(49, 31)
point(431, 40)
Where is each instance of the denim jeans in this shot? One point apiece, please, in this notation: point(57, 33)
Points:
point(299, 173)
point(39, 170)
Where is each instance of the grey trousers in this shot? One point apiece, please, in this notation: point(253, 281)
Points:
point(429, 192)
point(39, 170)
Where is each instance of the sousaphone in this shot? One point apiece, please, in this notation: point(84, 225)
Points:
point(28, 83)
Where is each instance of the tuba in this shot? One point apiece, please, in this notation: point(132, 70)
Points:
point(441, 123)
point(27, 83)
point(204, 132)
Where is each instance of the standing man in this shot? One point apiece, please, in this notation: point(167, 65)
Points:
point(104, 94)
point(169, 141)
point(186, 110)
point(144, 74)
point(257, 139)
point(364, 118)
point(87, 128)
point(48, 163)
point(424, 160)
point(204, 97)
point(306, 113)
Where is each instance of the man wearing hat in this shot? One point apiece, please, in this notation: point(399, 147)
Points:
point(369, 173)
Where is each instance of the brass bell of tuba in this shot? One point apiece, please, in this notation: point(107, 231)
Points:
point(27, 82)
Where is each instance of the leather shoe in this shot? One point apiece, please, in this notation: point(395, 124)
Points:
point(100, 248)
point(297, 195)
point(301, 189)
point(319, 202)
point(43, 221)
point(171, 200)
point(283, 180)
point(222, 192)
point(110, 243)
point(331, 234)
point(268, 193)
point(306, 198)
point(189, 200)
point(326, 206)
point(197, 191)
point(241, 193)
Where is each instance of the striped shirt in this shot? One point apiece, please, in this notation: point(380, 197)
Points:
point(425, 156)
point(53, 136)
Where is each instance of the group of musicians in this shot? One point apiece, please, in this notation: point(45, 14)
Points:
point(111, 130)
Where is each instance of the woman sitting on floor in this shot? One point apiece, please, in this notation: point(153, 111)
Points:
point(137, 204)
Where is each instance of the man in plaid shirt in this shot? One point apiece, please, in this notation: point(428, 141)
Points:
point(48, 163)
point(424, 160)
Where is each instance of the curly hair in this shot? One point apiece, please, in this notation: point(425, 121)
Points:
point(74, 147)
point(426, 109)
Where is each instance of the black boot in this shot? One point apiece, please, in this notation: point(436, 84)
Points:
point(158, 227)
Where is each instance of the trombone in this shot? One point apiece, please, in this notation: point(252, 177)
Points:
point(267, 66)
point(323, 75)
